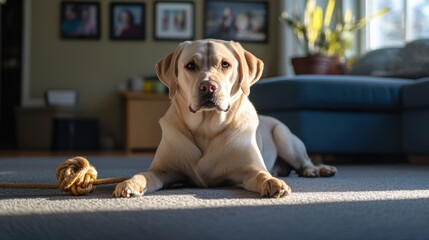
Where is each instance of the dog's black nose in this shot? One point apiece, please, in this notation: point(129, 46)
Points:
point(208, 87)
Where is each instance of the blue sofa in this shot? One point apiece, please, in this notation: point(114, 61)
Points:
point(415, 118)
point(351, 114)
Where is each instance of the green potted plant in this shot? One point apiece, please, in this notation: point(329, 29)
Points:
point(324, 45)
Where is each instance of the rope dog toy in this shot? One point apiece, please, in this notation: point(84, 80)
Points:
point(76, 176)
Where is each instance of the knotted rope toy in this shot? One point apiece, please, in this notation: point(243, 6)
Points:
point(76, 176)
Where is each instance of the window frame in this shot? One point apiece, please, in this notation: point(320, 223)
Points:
point(365, 38)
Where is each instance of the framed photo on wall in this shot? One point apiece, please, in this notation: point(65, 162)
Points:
point(174, 20)
point(245, 21)
point(127, 21)
point(80, 20)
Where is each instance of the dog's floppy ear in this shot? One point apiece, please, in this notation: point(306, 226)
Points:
point(250, 68)
point(166, 69)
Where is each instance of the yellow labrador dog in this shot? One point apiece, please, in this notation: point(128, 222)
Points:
point(211, 134)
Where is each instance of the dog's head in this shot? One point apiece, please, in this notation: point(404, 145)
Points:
point(209, 73)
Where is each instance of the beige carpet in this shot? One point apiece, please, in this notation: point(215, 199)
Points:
point(361, 202)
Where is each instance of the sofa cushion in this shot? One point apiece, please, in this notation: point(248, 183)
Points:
point(411, 60)
point(374, 62)
point(416, 96)
point(328, 92)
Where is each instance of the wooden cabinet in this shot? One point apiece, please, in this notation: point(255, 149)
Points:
point(142, 113)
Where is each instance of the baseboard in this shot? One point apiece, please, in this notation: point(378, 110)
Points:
point(418, 159)
point(358, 158)
point(316, 158)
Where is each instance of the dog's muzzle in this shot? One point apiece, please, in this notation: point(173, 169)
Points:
point(208, 91)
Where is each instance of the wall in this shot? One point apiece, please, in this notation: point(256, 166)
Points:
point(95, 68)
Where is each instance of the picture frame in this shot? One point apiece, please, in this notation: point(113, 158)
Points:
point(80, 20)
point(127, 21)
point(244, 21)
point(174, 20)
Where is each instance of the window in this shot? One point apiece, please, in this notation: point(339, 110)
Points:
point(407, 20)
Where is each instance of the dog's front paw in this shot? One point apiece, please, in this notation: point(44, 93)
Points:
point(318, 171)
point(275, 188)
point(130, 188)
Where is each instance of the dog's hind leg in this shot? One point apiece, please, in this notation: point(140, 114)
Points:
point(292, 150)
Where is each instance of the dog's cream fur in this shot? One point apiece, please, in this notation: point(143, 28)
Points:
point(211, 134)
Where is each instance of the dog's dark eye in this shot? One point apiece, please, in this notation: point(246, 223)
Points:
point(225, 64)
point(190, 66)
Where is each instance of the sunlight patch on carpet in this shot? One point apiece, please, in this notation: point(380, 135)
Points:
point(193, 199)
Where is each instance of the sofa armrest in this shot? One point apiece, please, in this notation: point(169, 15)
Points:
point(415, 96)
